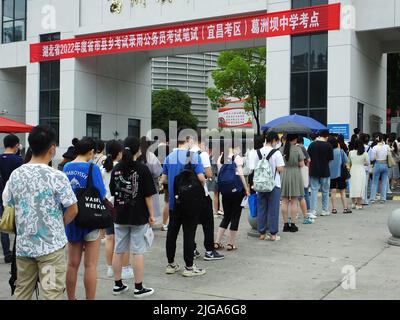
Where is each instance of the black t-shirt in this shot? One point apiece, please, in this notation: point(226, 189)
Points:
point(130, 191)
point(321, 153)
point(8, 163)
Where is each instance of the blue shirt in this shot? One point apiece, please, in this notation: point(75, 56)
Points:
point(335, 166)
point(174, 164)
point(77, 173)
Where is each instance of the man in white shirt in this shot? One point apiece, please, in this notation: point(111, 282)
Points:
point(268, 202)
point(207, 215)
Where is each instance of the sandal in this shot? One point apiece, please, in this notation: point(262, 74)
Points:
point(347, 210)
point(230, 247)
point(334, 211)
point(262, 237)
point(219, 246)
point(277, 238)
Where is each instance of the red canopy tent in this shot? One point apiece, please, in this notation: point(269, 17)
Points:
point(11, 126)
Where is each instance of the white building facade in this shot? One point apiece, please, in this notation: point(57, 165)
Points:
point(188, 73)
point(338, 77)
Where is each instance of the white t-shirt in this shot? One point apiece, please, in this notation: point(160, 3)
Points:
point(238, 161)
point(380, 152)
point(370, 153)
point(205, 160)
point(106, 179)
point(275, 161)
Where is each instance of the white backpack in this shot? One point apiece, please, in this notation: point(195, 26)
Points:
point(264, 177)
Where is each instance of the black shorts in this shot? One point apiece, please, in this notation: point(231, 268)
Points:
point(338, 183)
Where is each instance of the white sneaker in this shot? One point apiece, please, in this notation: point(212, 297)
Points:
point(311, 215)
point(164, 227)
point(325, 213)
point(172, 268)
point(193, 272)
point(127, 273)
point(110, 273)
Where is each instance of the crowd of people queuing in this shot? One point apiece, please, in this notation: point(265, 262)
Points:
point(285, 176)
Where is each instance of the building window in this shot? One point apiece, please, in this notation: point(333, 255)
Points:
point(13, 21)
point(93, 126)
point(309, 71)
point(296, 4)
point(49, 101)
point(309, 76)
point(134, 128)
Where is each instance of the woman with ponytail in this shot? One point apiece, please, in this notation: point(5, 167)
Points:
point(292, 181)
point(113, 156)
point(132, 187)
point(83, 241)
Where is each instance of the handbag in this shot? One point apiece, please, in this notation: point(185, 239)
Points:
point(391, 161)
point(92, 211)
point(7, 222)
point(253, 205)
point(344, 172)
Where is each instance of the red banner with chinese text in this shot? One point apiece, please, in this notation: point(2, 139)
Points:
point(291, 22)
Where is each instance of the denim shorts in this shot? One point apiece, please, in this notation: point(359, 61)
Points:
point(110, 231)
point(92, 236)
point(130, 239)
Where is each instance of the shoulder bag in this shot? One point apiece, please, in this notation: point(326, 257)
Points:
point(7, 222)
point(344, 173)
point(92, 211)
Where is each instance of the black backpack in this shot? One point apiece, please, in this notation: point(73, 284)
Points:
point(188, 190)
point(93, 213)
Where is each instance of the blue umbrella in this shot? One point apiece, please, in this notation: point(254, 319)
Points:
point(314, 125)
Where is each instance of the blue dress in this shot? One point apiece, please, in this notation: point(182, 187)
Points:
point(77, 173)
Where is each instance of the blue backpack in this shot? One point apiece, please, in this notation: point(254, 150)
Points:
point(228, 181)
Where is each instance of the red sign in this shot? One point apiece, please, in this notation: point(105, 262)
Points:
point(306, 20)
point(234, 118)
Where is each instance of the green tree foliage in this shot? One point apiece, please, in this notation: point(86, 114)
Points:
point(241, 74)
point(172, 105)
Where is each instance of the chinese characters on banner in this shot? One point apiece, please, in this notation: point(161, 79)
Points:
point(306, 20)
point(234, 118)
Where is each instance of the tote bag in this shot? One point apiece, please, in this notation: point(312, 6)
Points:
point(253, 205)
point(92, 211)
point(7, 222)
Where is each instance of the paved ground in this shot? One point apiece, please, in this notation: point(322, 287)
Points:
point(305, 265)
